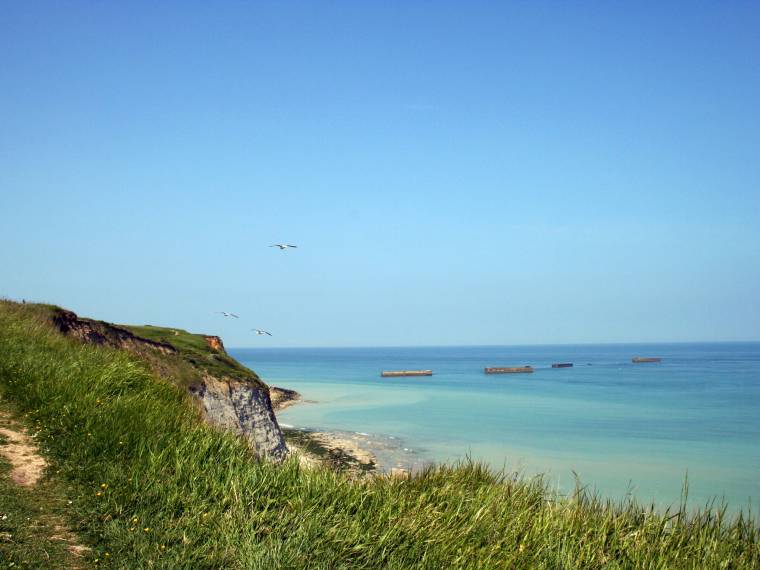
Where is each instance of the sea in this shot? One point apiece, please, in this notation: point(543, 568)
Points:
point(620, 429)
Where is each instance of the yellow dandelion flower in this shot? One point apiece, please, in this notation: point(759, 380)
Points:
point(146, 529)
point(98, 494)
point(103, 485)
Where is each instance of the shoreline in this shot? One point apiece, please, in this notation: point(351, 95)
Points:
point(332, 449)
point(347, 451)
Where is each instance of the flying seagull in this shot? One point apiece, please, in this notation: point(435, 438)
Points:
point(226, 314)
point(282, 245)
point(259, 331)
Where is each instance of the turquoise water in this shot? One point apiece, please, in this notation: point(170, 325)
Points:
point(621, 427)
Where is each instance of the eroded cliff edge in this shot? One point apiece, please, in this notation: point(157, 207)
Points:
point(229, 395)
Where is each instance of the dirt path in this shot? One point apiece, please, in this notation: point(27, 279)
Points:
point(19, 449)
point(33, 496)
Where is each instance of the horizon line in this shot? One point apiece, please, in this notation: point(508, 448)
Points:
point(507, 345)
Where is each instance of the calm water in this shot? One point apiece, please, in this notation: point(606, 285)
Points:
point(622, 427)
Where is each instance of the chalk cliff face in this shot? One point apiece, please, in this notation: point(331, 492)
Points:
point(245, 410)
point(231, 398)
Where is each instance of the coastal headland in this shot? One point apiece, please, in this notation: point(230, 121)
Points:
point(157, 449)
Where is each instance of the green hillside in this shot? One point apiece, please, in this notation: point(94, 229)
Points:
point(151, 486)
point(195, 349)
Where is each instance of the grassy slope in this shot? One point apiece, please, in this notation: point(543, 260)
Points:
point(194, 349)
point(180, 495)
point(26, 529)
point(30, 522)
point(194, 355)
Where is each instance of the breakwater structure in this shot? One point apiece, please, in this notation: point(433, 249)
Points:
point(508, 370)
point(642, 359)
point(393, 373)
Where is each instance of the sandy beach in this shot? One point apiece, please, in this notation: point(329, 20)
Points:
point(355, 452)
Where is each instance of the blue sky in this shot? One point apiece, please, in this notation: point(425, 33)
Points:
point(453, 173)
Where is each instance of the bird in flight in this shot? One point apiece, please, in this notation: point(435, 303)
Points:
point(283, 245)
point(226, 314)
point(259, 331)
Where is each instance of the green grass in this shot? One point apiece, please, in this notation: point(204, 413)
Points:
point(30, 522)
point(195, 349)
point(105, 419)
point(194, 355)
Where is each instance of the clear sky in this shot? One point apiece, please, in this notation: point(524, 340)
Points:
point(452, 172)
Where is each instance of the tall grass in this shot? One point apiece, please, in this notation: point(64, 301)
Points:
point(157, 489)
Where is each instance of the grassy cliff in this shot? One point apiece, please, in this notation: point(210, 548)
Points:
point(202, 351)
point(181, 357)
point(154, 487)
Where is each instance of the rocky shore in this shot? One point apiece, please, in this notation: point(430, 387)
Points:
point(283, 398)
point(352, 452)
point(343, 451)
point(336, 450)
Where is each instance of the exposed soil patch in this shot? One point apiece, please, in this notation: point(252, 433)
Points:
point(21, 452)
point(214, 343)
point(64, 535)
point(98, 332)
